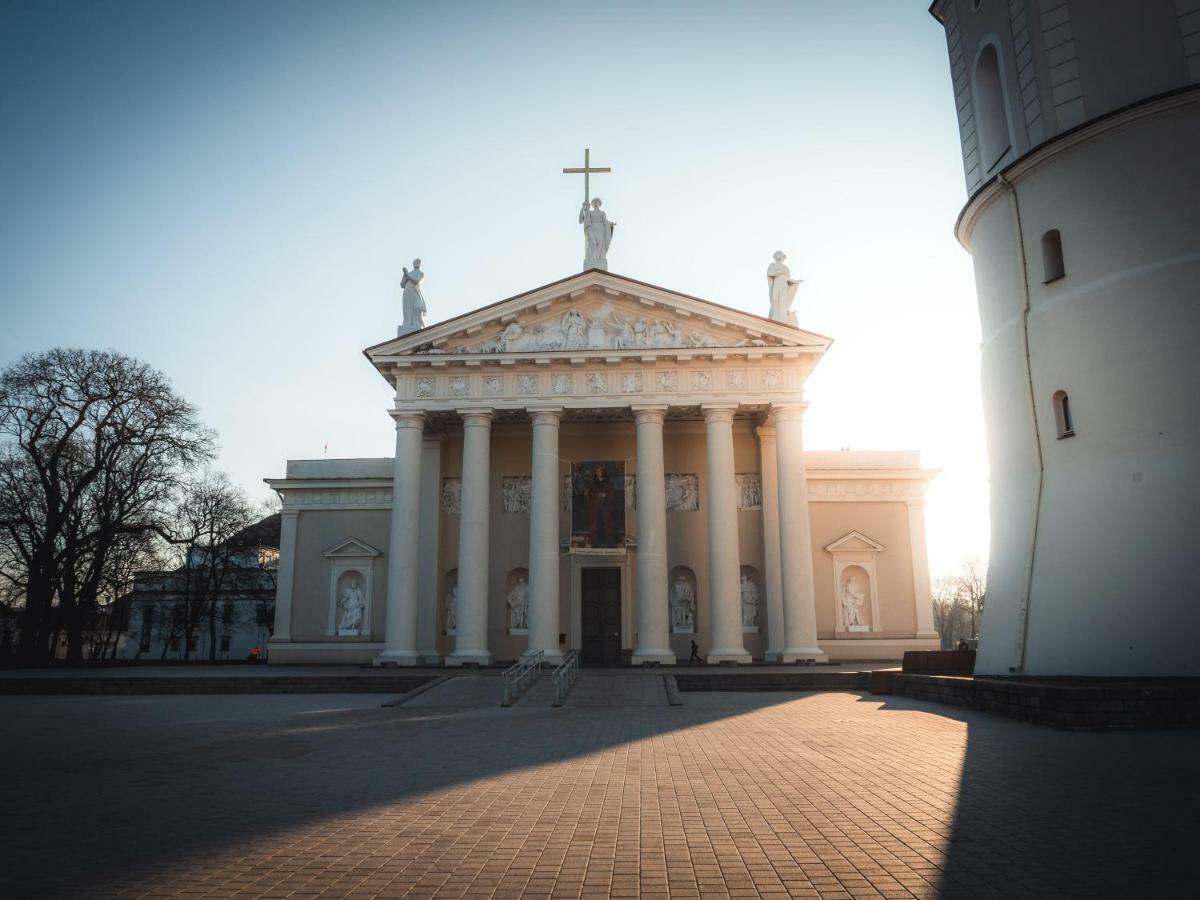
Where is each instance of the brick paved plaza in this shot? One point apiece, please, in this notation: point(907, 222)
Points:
point(830, 795)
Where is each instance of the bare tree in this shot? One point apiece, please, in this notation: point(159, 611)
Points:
point(958, 602)
point(91, 445)
point(211, 517)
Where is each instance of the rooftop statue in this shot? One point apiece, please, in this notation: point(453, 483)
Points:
point(597, 229)
point(782, 288)
point(412, 302)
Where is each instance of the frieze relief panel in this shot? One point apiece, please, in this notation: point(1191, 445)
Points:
point(749, 490)
point(452, 495)
point(683, 493)
point(515, 491)
point(309, 499)
point(601, 324)
point(457, 387)
point(821, 489)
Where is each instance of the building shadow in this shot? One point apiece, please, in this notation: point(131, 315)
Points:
point(1047, 812)
point(109, 793)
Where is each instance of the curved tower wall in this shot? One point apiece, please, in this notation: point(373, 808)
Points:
point(1095, 534)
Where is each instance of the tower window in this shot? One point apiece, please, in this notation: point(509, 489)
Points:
point(991, 114)
point(1052, 257)
point(1062, 415)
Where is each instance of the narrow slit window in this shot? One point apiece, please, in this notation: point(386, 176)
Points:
point(1052, 256)
point(1062, 415)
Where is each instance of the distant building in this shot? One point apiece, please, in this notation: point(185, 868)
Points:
point(1080, 130)
point(233, 612)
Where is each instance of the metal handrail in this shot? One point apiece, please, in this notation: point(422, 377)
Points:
point(565, 676)
point(519, 676)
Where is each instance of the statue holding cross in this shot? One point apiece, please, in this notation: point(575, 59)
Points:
point(597, 229)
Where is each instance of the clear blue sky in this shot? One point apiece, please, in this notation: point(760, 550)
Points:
point(229, 189)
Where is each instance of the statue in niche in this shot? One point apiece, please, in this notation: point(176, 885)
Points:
point(353, 603)
point(518, 605)
point(782, 289)
point(749, 602)
point(853, 598)
point(412, 302)
point(683, 605)
point(451, 604)
point(598, 231)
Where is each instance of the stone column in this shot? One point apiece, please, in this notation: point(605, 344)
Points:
point(653, 643)
point(795, 538)
point(285, 576)
point(400, 625)
point(922, 594)
point(724, 560)
point(769, 467)
point(543, 535)
point(427, 571)
point(470, 644)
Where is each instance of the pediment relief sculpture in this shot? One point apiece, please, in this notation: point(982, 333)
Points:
point(601, 326)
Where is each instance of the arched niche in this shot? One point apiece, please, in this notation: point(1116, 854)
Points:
point(681, 597)
point(855, 583)
point(753, 607)
point(516, 601)
point(350, 589)
point(449, 604)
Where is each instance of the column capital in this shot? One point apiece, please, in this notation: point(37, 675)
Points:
point(477, 417)
point(408, 418)
point(289, 513)
point(544, 415)
point(718, 412)
point(649, 412)
point(434, 437)
point(766, 431)
point(788, 412)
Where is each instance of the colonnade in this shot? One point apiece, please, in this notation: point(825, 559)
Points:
point(790, 595)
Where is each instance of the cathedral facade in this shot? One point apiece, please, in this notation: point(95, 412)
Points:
point(604, 465)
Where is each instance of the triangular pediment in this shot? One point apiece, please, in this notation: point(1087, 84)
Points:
point(855, 541)
point(352, 547)
point(595, 313)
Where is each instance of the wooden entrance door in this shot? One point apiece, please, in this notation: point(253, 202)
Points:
point(600, 614)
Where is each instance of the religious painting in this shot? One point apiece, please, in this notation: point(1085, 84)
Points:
point(598, 504)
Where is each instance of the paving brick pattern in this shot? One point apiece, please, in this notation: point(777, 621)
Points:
point(732, 795)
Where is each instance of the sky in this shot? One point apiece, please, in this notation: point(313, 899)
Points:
point(229, 190)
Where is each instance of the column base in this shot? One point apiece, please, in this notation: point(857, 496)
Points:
point(431, 659)
point(652, 657)
point(552, 659)
point(480, 658)
point(733, 655)
point(397, 658)
point(804, 654)
point(773, 656)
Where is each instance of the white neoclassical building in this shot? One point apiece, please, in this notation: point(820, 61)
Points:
point(1080, 135)
point(605, 465)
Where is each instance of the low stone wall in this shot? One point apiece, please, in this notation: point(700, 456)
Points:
point(771, 681)
point(215, 684)
point(1085, 704)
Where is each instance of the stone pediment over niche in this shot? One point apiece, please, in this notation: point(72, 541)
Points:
point(855, 541)
point(592, 313)
point(352, 547)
